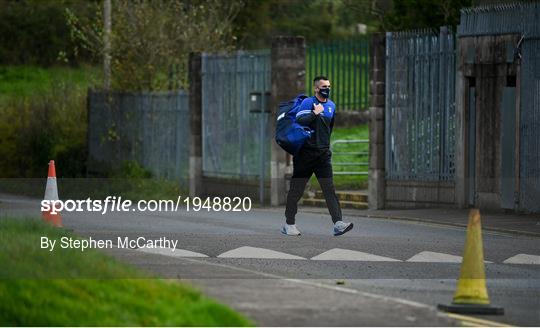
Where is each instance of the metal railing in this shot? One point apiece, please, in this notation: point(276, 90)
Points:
point(346, 64)
point(357, 154)
point(151, 128)
point(420, 113)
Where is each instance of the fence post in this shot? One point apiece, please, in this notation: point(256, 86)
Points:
point(462, 102)
point(377, 183)
point(195, 124)
point(288, 66)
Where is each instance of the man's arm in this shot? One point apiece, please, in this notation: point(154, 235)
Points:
point(305, 118)
point(305, 115)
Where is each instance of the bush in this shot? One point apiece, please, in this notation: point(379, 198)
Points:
point(44, 118)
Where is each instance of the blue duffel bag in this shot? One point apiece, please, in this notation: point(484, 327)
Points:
point(290, 135)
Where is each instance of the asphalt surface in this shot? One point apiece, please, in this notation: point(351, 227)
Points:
point(242, 260)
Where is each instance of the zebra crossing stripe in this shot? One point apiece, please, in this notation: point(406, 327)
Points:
point(523, 259)
point(436, 257)
point(334, 254)
point(340, 254)
point(248, 252)
point(176, 253)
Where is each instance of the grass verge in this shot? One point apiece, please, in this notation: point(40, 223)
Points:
point(42, 288)
point(32, 81)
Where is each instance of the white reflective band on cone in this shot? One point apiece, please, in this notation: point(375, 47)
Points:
point(51, 190)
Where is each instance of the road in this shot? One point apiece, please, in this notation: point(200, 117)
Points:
point(383, 272)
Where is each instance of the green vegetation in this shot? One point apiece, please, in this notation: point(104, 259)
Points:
point(345, 63)
point(150, 41)
point(344, 182)
point(34, 32)
point(130, 181)
point(43, 116)
point(317, 20)
point(352, 133)
point(67, 287)
point(415, 14)
point(26, 82)
point(355, 133)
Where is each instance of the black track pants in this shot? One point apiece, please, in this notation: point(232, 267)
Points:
point(305, 164)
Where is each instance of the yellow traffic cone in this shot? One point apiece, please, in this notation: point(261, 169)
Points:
point(471, 295)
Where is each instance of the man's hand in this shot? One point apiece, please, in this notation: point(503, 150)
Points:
point(317, 109)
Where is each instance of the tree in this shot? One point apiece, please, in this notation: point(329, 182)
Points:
point(151, 40)
point(317, 20)
point(414, 14)
point(34, 31)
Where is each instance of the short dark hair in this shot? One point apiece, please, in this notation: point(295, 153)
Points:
point(319, 78)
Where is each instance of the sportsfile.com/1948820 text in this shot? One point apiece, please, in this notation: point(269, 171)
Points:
point(118, 204)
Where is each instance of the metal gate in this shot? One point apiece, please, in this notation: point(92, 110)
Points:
point(420, 107)
point(235, 142)
point(521, 19)
point(530, 125)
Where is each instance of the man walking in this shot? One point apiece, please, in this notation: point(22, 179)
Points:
point(317, 113)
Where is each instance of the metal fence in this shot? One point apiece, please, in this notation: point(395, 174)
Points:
point(232, 145)
point(346, 64)
point(420, 111)
point(149, 128)
point(522, 19)
point(347, 162)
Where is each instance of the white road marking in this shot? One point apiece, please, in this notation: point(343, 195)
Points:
point(523, 259)
point(435, 257)
point(314, 283)
point(168, 252)
point(476, 322)
point(247, 252)
point(340, 254)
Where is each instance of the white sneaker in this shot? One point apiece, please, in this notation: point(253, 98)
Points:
point(341, 227)
point(290, 229)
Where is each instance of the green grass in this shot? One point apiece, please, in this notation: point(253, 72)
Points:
point(357, 132)
point(344, 182)
point(69, 288)
point(43, 116)
point(31, 81)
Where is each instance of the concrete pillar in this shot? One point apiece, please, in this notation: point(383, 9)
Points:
point(195, 124)
point(288, 64)
point(377, 61)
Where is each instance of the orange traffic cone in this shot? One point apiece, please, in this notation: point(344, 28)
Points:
point(51, 193)
point(471, 296)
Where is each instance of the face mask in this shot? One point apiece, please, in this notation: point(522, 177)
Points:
point(325, 93)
